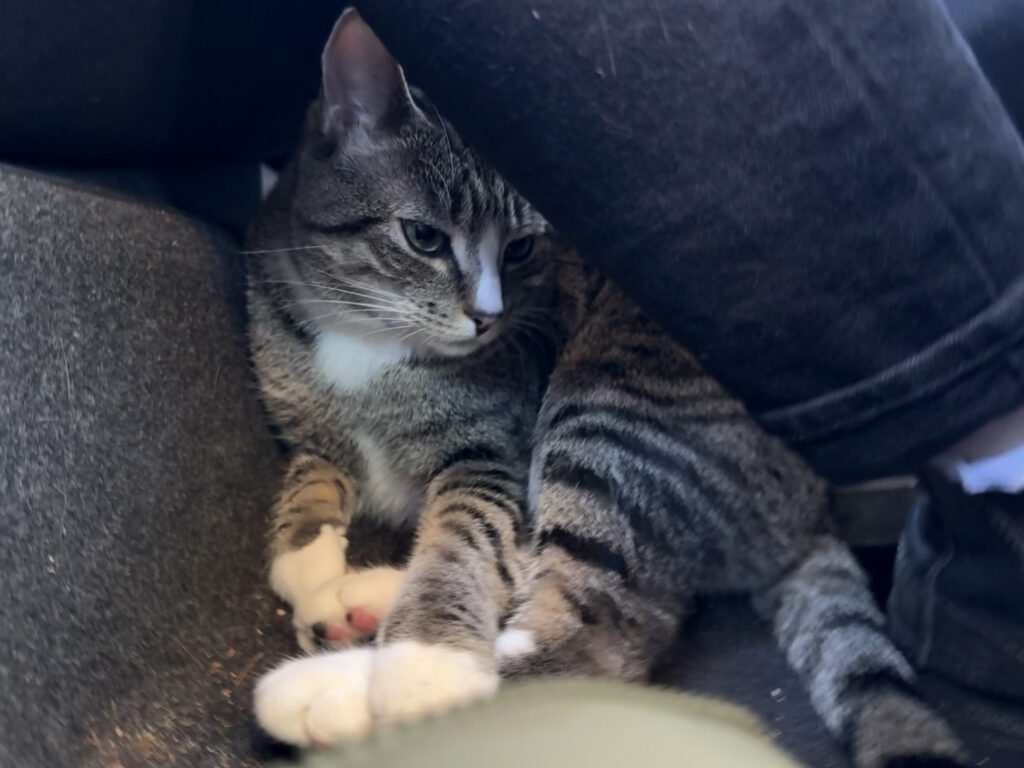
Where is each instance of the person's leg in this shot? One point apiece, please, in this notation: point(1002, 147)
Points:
point(824, 200)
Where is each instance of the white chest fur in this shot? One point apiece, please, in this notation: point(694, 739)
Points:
point(352, 362)
point(388, 494)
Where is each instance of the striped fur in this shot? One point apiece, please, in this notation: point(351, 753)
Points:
point(651, 485)
point(368, 373)
point(579, 508)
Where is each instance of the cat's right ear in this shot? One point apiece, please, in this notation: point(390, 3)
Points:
point(364, 90)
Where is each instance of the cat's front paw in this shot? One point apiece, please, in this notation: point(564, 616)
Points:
point(411, 680)
point(345, 610)
point(317, 701)
point(340, 696)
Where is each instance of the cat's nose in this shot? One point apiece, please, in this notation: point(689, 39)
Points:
point(483, 321)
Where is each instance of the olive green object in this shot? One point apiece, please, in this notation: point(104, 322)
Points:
point(573, 724)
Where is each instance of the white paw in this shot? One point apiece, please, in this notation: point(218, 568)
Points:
point(372, 591)
point(308, 579)
point(320, 700)
point(316, 612)
point(301, 571)
point(346, 610)
point(411, 680)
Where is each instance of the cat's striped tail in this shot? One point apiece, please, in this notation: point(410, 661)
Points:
point(826, 622)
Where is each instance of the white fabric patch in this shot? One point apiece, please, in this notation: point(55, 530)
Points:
point(1003, 472)
point(991, 459)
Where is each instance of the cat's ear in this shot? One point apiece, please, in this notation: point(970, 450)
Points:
point(364, 91)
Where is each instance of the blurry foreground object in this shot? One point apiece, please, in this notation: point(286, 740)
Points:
point(574, 724)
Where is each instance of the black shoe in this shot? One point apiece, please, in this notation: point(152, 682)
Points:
point(957, 604)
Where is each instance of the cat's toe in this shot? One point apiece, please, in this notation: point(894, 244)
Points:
point(337, 715)
point(320, 700)
point(317, 615)
point(358, 624)
point(363, 619)
point(346, 610)
point(412, 680)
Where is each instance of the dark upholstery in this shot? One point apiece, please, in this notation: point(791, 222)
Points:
point(150, 81)
point(172, 81)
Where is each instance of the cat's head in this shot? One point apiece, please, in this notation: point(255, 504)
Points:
point(406, 233)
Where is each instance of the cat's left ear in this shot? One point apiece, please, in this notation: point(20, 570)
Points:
point(364, 90)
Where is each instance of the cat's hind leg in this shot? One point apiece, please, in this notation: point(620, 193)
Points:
point(827, 624)
point(596, 603)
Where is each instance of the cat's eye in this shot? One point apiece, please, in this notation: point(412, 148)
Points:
point(519, 250)
point(423, 237)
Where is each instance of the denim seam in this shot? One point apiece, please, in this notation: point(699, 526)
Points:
point(838, 425)
point(930, 586)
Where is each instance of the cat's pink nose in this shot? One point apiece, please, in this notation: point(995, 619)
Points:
point(483, 321)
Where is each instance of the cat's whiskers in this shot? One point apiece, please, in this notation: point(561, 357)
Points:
point(354, 283)
point(348, 282)
point(263, 251)
point(333, 289)
point(341, 303)
point(418, 329)
point(389, 328)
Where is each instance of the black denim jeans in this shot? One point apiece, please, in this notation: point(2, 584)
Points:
point(823, 199)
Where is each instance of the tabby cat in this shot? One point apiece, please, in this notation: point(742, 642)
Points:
point(404, 305)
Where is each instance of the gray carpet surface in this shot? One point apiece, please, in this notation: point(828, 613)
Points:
point(135, 478)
